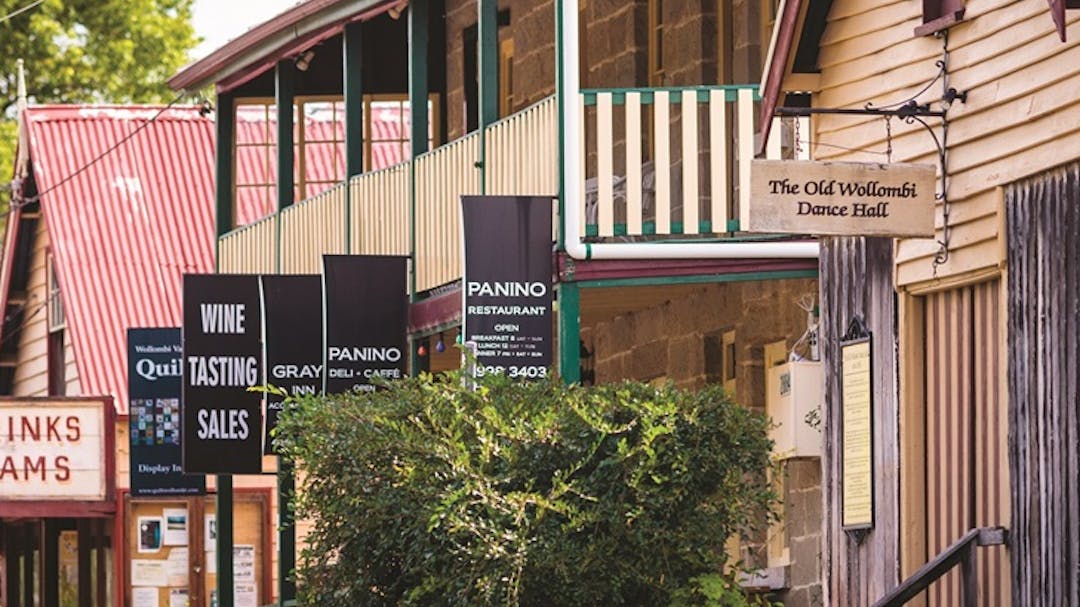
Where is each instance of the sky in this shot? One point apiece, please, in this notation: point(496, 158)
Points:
point(218, 21)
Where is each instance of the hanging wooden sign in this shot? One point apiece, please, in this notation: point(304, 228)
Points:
point(841, 198)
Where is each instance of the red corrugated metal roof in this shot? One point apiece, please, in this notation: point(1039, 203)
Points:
point(123, 231)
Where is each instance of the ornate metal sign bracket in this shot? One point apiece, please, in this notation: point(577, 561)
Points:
point(911, 110)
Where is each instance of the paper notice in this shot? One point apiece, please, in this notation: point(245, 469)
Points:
point(178, 597)
point(146, 572)
point(176, 567)
point(144, 597)
point(244, 563)
point(244, 596)
point(176, 528)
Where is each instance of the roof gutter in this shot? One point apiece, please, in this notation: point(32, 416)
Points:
point(571, 217)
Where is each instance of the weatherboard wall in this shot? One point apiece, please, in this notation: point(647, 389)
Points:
point(32, 370)
point(1021, 116)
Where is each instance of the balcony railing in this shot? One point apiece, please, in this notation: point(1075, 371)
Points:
point(660, 164)
point(663, 162)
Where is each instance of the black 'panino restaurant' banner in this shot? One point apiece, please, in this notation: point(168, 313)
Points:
point(155, 368)
point(508, 283)
point(222, 359)
point(366, 320)
point(292, 326)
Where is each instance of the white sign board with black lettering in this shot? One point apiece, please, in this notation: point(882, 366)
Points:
point(222, 431)
point(366, 321)
point(508, 283)
point(841, 198)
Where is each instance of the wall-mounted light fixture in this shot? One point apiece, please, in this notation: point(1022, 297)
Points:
point(396, 10)
point(303, 62)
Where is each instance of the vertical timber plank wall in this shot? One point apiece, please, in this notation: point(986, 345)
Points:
point(1044, 439)
point(856, 279)
point(965, 434)
point(948, 430)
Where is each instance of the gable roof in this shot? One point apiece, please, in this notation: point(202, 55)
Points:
point(289, 33)
point(125, 229)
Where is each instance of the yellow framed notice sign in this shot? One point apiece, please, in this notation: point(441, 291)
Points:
point(857, 471)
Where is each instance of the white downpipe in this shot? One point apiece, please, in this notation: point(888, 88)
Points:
point(572, 137)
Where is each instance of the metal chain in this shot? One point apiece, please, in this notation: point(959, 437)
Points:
point(888, 139)
point(798, 140)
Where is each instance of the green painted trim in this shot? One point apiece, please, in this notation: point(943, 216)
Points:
point(353, 92)
point(419, 35)
point(487, 45)
point(648, 228)
point(284, 97)
point(284, 100)
point(560, 106)
point(569, 322)
point(418, 75)
point(224, 517)
point(286, 534)
point(414, 359)
point(225, 125)
point(618, 96)
point(695, 279)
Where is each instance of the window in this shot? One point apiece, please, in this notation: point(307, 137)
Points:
point(319, 140)
point(728, 366)
point(56, 359)
point(939, 15)
point(656, 43)
point(720, 360)
point(57, 322)
point(506, 77)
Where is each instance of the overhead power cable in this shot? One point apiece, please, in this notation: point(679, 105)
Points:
point(20, 11)
point(112, 148)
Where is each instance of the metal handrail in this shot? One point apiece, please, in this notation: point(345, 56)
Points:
point(961, 552)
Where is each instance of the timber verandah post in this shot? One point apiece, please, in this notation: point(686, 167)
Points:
point(353, 92)
point(224, 215)
point(487, 46)
point(419, 26)
point(285, 98)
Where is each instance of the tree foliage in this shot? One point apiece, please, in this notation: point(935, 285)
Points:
point(431, 493)
point(115, 51)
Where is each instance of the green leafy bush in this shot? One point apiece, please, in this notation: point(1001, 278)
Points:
point(430, 493)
